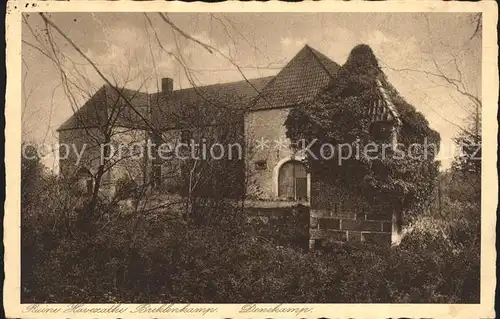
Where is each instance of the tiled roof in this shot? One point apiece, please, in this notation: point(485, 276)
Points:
point(205, 105)
point(94, 113)
point(330, 66)
point(193, 106)
point(300, 81)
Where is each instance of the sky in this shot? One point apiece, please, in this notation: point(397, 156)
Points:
point(137, 50)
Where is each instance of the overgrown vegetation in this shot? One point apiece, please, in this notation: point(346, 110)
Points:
point(403, 182)
point(158, 258)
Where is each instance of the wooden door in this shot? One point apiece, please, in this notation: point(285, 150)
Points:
point(292, 181)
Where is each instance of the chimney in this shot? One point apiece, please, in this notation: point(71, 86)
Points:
point(167, 85)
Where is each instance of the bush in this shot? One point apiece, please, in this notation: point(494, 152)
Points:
point(147, 261)
point(126, 188)
point(447, 251)
point(158, 258)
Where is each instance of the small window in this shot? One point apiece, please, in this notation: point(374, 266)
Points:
point(156, 139)
point(261, 165)
point(85, 181)
point(378, 110)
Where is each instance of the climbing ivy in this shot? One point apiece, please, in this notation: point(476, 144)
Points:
point(404, 175)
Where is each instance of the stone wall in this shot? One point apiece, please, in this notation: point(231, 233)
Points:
point(327, 227)
point(338, 216)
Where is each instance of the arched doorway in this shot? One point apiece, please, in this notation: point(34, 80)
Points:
point(292, 181)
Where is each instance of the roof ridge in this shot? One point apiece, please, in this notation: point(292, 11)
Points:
point(223, 83)
point(313, 51)
point(317, 54)
point(270, 83)
point(123, 88)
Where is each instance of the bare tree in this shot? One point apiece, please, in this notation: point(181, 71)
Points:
point(120, 104)
point(450, 75)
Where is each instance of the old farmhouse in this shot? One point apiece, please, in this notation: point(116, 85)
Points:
point(250, 113)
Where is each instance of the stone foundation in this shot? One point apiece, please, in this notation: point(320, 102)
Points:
point(327, 227)
point(316, 228)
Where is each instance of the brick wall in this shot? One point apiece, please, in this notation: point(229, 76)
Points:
point(325, 228)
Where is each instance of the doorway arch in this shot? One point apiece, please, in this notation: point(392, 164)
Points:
point(291, 180)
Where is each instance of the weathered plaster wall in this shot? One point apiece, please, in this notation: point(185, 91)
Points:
point(84, 148)
point(170, 165)
point(79, 148)
point(131, 156)
point(211, 163)
point(266, 140)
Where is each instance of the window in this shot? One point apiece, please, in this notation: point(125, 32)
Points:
point(381, 128)
point(292, 181)
point(378, 111)
point(156, 140)
point(261, 165)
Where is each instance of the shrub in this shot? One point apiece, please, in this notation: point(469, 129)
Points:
point(147, 261)
point(158, 258)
